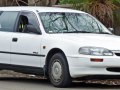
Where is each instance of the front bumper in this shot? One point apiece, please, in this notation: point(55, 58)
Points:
point(80, 66)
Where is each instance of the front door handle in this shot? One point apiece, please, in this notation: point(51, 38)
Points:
point(14, 39)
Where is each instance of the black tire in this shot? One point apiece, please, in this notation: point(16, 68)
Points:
point(58, 68)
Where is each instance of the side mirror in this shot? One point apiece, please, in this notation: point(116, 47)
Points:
point(111, 29)
point(32, 29)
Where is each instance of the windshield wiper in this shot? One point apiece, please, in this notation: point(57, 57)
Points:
point(87, 32)
point(77, 32)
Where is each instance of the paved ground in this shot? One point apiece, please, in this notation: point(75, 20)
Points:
point(41, 84)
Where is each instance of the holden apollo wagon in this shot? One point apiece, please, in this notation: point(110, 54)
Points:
point(60, 44)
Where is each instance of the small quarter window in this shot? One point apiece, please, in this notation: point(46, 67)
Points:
point(7, 20)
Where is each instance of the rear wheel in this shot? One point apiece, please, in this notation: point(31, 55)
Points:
point(58, 71)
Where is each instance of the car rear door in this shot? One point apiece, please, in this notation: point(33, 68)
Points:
point(7, 24)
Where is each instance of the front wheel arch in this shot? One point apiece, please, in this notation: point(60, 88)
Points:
point(49, 56)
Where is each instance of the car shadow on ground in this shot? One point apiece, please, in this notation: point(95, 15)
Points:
point(46, 82)
point(92, 86)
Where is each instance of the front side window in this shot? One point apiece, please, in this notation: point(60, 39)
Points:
point(7, 20)
point(69, 23)
point(28, 23)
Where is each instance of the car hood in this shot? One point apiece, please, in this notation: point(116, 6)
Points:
point(111, 42)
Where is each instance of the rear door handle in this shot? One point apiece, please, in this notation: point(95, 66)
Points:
point(14, 39)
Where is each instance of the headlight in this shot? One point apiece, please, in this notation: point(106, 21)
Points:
point(97, 51)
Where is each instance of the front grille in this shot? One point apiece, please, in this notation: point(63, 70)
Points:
point(117, 54)
point(117, 69)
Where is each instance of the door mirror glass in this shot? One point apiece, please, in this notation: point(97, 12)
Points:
point(32, 29)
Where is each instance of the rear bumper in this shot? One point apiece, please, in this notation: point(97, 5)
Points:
point(80, 66)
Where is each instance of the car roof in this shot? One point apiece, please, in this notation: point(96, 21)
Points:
point(39, 9)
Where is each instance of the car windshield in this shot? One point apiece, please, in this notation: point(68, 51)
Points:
point(55, 22)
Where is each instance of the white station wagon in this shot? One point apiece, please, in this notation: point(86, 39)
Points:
point(61, 44)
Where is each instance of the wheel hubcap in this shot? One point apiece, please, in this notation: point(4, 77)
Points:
point(56, 71)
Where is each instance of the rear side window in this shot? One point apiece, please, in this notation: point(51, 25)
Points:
point(7, 20)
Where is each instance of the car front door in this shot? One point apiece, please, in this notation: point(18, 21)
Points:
point(26, 41)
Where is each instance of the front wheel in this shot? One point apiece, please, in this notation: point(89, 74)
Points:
point(58, 71)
